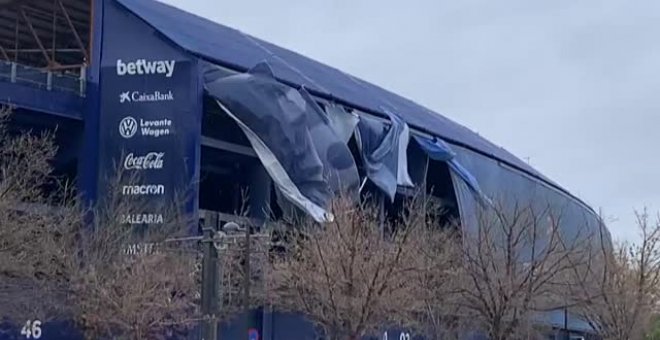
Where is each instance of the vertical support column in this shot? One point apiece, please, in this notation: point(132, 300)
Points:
point(567, 333)
point(90, 87)
point(82, 81)
point(260, 193)
point(210, 280)
point(13, 72)
point(249, 316)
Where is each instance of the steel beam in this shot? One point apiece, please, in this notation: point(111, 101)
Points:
point(36, 36)
point(56, 103)
point(67, 67)
point(72, 27)
point(210, 281)
point(227, 146)
point(36, 50)
point(54, 33)
point(4, 53)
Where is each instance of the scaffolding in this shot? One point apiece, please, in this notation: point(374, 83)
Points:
point(51, 35)
point(45, 43)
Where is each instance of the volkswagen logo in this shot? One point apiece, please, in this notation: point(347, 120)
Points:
point(128, 127)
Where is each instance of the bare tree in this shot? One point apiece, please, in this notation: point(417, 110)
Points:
point(618, 292)
point(439, 254)
point(127, 280)
point(440, 317)
point(60, 259)
point(55, 263)
point(350, 278)
point(24, 172)
point(513, 258)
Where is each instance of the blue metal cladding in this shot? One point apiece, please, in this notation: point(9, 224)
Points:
point(509, 188)
point(150, 114)
point(63, 104)
point(233, 49)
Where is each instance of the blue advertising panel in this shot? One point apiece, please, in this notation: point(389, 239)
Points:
point(150, 116)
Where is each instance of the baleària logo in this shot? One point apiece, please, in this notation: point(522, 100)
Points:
point(143, 66)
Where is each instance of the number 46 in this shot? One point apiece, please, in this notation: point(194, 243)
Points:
point(32, 329)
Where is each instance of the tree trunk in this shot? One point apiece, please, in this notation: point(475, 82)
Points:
point(496, 333)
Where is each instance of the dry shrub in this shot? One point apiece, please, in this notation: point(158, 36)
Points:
point(618, 292)
point(61, 260)
point(359, 273)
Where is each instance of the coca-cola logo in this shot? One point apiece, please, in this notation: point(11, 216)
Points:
point(152, 160)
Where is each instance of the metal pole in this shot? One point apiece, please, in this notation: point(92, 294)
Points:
point(381, 213)
point(567, 335)
point(54, 32)
point(83, 80)
point(246, 297)
point(209, 284)
point(4, 54)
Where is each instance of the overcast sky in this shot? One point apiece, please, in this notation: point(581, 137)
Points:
point(571, 86)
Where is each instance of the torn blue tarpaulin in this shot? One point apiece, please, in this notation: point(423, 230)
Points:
point(383, 149)
point(291, 136)
point(339, 166)
point(342, 121)
point(440, 151)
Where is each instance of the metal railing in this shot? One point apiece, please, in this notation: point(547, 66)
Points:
point(42, 79)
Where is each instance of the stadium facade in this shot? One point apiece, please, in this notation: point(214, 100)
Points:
point(141, 85)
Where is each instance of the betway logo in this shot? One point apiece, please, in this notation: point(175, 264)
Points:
point(142, 66)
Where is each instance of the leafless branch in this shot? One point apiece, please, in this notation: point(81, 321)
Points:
point(618, 292)
point(349, 278)
point(514, 258)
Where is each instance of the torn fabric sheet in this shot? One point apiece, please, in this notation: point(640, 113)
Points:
point(291, 135)
point(279, 175)
point(342, 121)
point(339, 167)
point(440, 151)
point(383, 148)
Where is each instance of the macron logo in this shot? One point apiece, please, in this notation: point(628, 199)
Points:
point(142, 66)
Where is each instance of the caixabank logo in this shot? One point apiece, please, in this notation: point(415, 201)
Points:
point(153, 128)
point(127, 97)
